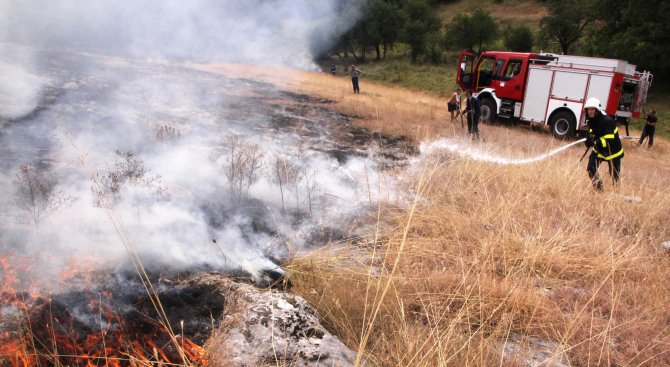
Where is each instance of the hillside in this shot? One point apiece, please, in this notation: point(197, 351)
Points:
point(440, 81)
point(490, 263)
point(528, 12)
point(182, 188)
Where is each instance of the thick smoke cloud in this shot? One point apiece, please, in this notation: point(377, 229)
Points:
point(260, 31)
point(66, 109)
point(257, 31)
point(20, 86)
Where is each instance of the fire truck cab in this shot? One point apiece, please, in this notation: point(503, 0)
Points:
point(551, 89)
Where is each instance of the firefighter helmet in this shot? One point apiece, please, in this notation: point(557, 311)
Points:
point(594, 103)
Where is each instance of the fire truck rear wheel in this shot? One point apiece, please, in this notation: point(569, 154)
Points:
point(563, 124)
point(488, 110)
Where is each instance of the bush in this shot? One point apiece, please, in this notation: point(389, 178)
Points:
point(472, 32)
point(519, 38)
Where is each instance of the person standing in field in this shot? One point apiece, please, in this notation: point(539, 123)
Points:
point(604, 139)
point(354, 78)
point(474, 112)
point(454, 104)
point(649, 129)
point(333, 69)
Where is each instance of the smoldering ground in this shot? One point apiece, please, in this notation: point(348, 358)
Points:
point(82, 105)
point(149, 144)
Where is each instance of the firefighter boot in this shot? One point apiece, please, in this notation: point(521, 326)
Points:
point(592, 169)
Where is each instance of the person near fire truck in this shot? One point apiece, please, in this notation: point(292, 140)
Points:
point(473, 109)
point(649, 129)
point(355, 73)
point(604, 140)
point(454, 104)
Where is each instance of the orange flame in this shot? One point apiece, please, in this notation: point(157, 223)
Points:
point(38, 336)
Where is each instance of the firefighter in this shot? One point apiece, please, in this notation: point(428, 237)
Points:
point(649, 129)
point(474, 111)
point(604, 139)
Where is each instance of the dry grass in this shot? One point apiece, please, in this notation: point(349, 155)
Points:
point(384, 108)
point(488, 252)
point(528, 12)
point(485, 256)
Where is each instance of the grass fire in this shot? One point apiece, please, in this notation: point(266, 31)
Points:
point(197, 184)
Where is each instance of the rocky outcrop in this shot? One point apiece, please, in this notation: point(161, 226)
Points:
point(534, 352)
point(268, 327)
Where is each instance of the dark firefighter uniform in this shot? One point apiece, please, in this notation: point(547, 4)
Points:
point(604, 138)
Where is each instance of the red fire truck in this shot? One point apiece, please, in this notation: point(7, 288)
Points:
point(551, 89)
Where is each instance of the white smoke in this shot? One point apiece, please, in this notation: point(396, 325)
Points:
point(275, 32)
point(67, 110)
point(78, 135)
point(20, 86)
point(257, 31)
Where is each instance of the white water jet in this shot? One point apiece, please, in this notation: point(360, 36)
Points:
point(473, 152)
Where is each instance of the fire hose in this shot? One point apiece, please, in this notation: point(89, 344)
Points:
point(481, 155)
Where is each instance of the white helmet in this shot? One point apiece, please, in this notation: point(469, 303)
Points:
point(594, 103)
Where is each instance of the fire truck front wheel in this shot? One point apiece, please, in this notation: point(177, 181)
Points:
point(488, 108)
point(563, 124)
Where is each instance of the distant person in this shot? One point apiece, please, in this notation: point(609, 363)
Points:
point(454, 104)
point(354, 78)
point(604, 139)
point(649, 129)
point(474, 112)
point(333, 69)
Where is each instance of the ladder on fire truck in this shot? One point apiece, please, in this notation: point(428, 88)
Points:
point(645, 82)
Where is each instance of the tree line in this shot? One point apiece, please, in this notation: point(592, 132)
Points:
point(628, 29)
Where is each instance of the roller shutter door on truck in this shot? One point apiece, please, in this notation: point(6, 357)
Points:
point(599, 87)
point(569, 86)
point(537, 94)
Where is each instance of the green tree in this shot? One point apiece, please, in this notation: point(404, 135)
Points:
point(379, 26)
point(472, 32)
point(422, 23)
point(566, 22)
point(519, 38)
point(389, 21)
point(636, 31)
point(363, 35)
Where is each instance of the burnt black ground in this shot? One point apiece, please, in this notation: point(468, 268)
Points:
point(82, 95)
point(247, 103)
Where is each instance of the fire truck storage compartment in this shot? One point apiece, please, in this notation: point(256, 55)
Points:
point(599, 87)
point(569, 86)
point(627, 95)
point(537, 94)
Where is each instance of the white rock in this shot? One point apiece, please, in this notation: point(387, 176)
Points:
point(665, 245)
point(632, 199)
point(283, 305)
point(534, 352)
point(268, 327)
